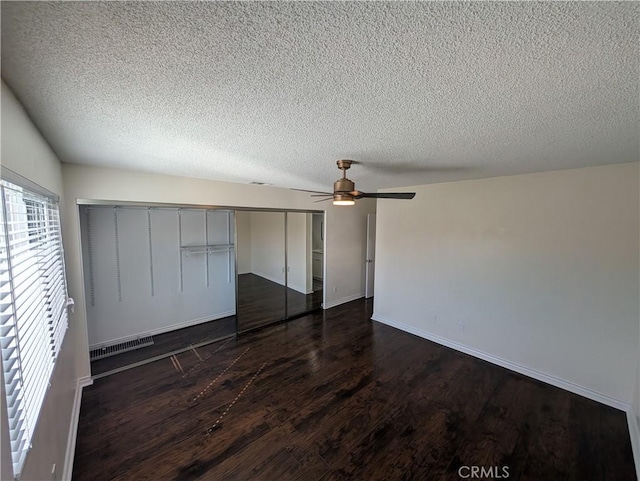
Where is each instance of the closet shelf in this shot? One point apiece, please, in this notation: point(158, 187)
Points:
point(206, 249)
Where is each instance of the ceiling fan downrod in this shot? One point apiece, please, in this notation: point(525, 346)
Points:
point(344, 185)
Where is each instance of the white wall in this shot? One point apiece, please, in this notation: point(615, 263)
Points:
point(345, 251)
point(243, 241)
point(346, 227)
point(542, 269)
point(261, 237)
point(267, 245)
point(25, 152)
point(299, 252)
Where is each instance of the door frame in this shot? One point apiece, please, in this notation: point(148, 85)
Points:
point(370, 257)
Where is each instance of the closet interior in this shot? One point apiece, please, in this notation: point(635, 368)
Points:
point(160, 280)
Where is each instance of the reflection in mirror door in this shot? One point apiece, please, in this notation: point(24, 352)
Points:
point(304, 294)
point(317, 256)
point(261, 268)
point(280, 259)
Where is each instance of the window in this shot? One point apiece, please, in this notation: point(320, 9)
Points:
point(33, 307)
point(35, 219)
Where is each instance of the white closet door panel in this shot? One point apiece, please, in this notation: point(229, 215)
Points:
point(104, 284)
point(165, 242)
point(134, 255)
point(135, 270)
point(103, 256)
point(267, 245)
point(193, 227)
point(220, 224)
point(224, 300)
point(221, 270)
point(143, 283)
point(166, 253)
point(222, 264)
point(196, 302)
point(194, 264)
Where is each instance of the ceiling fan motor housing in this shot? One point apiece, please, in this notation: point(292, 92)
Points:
point(343, 185)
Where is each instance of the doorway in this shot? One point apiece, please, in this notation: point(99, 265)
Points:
point(371, 256)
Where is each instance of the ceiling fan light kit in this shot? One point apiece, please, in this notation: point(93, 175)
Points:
point(343, 199)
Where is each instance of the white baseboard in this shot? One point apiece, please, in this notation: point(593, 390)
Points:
point(277, 280)
point(343, 300)
point(540, 376)
point(73, 427)
point(299, 288)
point(634, 432)
point(162, 330)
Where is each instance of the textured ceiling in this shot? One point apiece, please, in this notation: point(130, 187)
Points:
point(276, 92)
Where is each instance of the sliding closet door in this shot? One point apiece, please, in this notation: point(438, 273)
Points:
point(261, 268)
point(301, 295)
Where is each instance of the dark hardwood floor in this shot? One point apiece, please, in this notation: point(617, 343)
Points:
point(260, 302)
point(336, 396)
point(168, 342)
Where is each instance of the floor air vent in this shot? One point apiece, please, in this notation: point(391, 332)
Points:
point(114, 349)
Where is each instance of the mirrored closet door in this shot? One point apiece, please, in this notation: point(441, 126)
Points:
point(303, 294)
point(275, 259)
point(261, 268)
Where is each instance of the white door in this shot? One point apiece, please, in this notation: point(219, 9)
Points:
point(371, 252)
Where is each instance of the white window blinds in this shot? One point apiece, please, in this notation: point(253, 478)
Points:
point(33, 307)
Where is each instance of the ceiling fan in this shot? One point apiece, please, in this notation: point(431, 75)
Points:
point(345, 193)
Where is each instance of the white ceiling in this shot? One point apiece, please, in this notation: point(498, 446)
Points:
point(276, 92)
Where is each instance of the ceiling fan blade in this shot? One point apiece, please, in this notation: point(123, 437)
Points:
point(386, 195)
point(321, 195)
point(314, 191)
point(322, 200)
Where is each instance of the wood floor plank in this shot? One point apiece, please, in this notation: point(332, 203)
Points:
point(261, 301)
point(497, 430)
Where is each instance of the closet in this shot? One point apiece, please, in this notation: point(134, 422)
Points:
point(162, 279)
